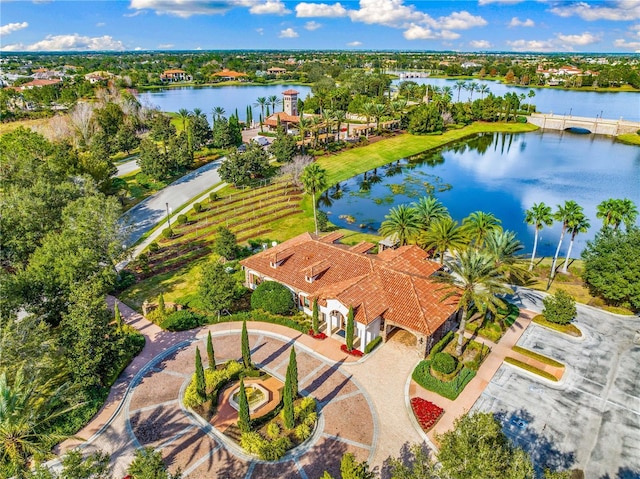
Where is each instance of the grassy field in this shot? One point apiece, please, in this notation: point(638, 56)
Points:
point(14, 125)
point(629, 139)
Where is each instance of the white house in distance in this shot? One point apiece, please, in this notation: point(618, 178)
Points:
point(393, 289)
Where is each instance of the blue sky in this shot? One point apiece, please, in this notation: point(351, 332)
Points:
point(482, 25)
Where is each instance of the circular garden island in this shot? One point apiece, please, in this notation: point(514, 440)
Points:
point(258, 412)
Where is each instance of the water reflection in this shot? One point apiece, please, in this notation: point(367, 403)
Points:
point(503, 174)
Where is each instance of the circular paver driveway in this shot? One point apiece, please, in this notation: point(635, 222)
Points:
point(155, 417)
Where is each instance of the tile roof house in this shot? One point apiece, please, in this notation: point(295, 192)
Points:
point(392, 289)
point(175, 75)
point(230, 75)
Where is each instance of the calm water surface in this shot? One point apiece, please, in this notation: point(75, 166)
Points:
point(503, 174)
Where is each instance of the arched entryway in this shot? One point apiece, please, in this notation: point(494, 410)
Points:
point(336, 323)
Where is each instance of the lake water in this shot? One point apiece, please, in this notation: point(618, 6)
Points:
point(503, 174)
point(228, 97)
point(614, 105)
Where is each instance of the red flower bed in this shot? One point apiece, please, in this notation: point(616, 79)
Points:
point(353, 352)
point(426, 412)
point(317, 336)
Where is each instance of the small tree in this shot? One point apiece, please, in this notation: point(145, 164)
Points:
point(199, 376)
point(243, 409)
point(225, 243)
point(217, 288)
point(351, 468)
point(559, 308)
point(287, 399)
point(292, 373)
point(349, 332)
point(161, 307)
point(314, 317)
point(118, 316)
point(246, 352)
point(210, 353)
point(148, 463)
point(273, 297)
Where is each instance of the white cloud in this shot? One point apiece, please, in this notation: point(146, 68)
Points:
point(618, 10)
point(418, 32)
point(621, 43)
point(531, 45)
point(165, 46)
point(72, 42)
point(260, 31)
point(311, 26)
point(516, 22)
point(392, 13)
point(186, 8)
point(100, 24)
point(585, 38)
point(288, 33)
point(460, 21)
point(306, 10)
point(487, 2)
point(270, 7)
point(12, 27)
point(482, 44)
point(354, 44)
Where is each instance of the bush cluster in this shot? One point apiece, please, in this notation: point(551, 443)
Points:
point(214, 381)
point(372, 344)
point(444, 363)
point(265, 449)
point(181, 321)
point(422, 375)
point(197, 207)
point(182, 219)
point(273, 298)
point(440, 345)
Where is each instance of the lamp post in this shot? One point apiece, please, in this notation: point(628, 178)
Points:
point(168, 219)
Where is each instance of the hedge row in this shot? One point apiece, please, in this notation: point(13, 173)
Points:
point(258, 315)
point(531, 369)
point(440, 345)
point(422, 375)
point(539, 357)
point(372, 344)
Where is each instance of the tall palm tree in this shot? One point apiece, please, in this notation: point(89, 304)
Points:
point(565, 214)
point(471, 87)
point(460, 85)
point(401, 222)
point(478, 225)
point(579, 223)
point(303, 127)
point(184, 115)
point(429, 209)
point(339, 116)
point(629, 213)
point(539, 215)
point(273, 100)
point(327, 118)
point(474, 281)
point(369, 111)
point(316, 123)
point(379, 110)
point(262, 102)
point(444, 235)
point(314, 180)
point(484, 89)
point(609, 213)
point(217, 113)
point(503, 247)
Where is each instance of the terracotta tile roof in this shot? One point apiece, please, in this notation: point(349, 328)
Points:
point(171, 72)
point(290, 92)
point(395, 284)
point(331, 237)
point(229, 73)
point(54, 81)
point(362, 247)
point(273, 119)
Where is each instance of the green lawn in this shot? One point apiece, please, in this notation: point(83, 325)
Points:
point(629, 139)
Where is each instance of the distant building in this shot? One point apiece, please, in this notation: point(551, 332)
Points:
point(174, 76)
point(98, 76)
point(276, 71)
point(289, 117)
point(230, 75)
point(40, 83)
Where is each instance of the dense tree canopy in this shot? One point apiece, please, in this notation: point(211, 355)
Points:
point(240, 168)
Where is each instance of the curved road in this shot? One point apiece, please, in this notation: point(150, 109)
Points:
point(145, 215)
point(127, 167)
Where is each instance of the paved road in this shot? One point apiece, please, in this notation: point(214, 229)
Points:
point(591, 419)
point(145, 215)
point(127, 167)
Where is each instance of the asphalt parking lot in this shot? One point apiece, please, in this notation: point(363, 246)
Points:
point(591, 419)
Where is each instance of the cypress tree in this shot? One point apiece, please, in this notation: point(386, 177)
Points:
point(292, 373)
point(161, 306)
point(246, 352)
point(200, 383)
point(349, 332)
point(118, 316)
point(210, 354)
point(243, 409)
point(287, 399)
point(314, 317)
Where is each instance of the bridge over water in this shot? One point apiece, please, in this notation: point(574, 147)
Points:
point(601, 126)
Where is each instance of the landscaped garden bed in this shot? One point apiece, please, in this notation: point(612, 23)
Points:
point(569, 329)
point(426, 413)
point(492, 328)
point(531, 369)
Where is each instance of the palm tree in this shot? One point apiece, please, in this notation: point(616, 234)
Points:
point(379, 110)
point(316, 123)
point(460, 85)
point(478, 225)
point(565, 214)
point(369, 111)
point(28, 407)
point(579, 223)
point(273, 100)
point(484, 89)
point(327, 118)
point(262, 103)
point(615, 212)
point(444, 235)
point(184, 115)
point(629, 213)
point(531, 95)
point(339, 116)
point(540, 216)
point(314, 180)
point(401, 222)
point(473, 86)
point(474, 281)
point(303, 126)
point(503, 247)
point(217, 113)
point(429, 209)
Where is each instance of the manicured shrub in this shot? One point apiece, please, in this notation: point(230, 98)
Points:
point(167, 233)
point(302, 431)
point(210, 353)
point(197, 207)
point(199, 377)
point(153, 247)
point(273, 430)
point(213, 196)
point(243, 409)
point(450, 390)
point(372, 344)
point(349, 331)
point(444, 363)
point(181, 321)
point(273, 298)
point(440, 345)
point(182, 219)
point(274, 450)
point(251, 442)
point(559, 308)
point(244, 346)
